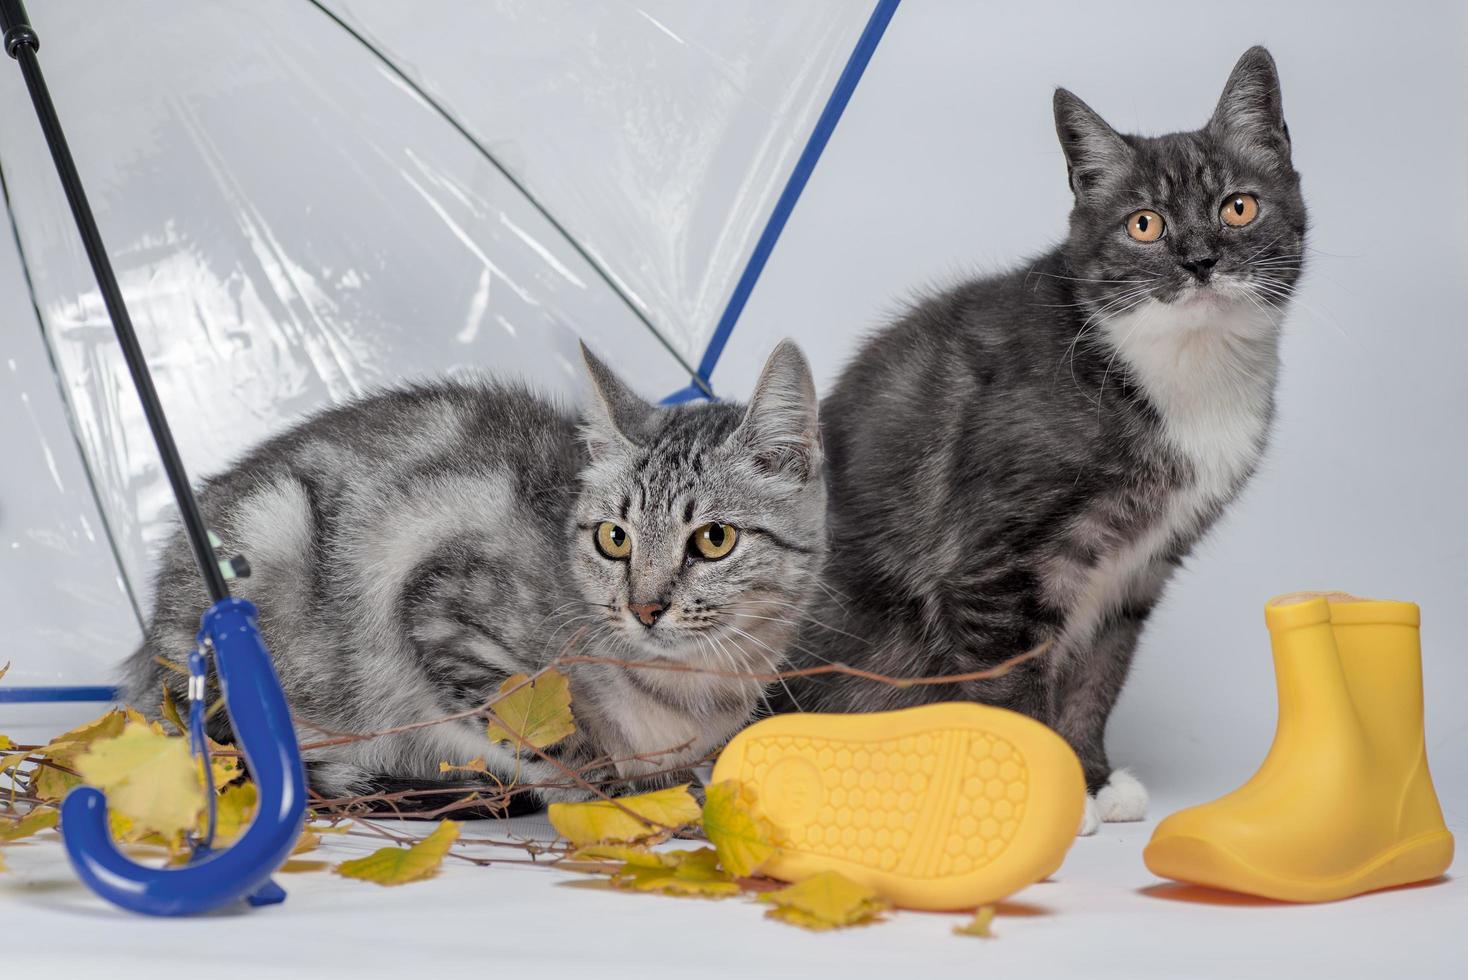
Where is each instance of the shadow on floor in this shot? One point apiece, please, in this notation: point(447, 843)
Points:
point(1173, 891)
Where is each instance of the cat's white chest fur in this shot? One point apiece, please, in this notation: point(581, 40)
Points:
point(1209, 370)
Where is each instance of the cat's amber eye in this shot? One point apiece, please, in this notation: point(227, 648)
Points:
point(612, 541)
point(1145, 225)
point(1240, 209)
point(712, 541)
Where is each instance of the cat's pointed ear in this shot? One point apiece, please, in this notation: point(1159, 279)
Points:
point(1092, 148)
point(614, 418)
point(781, 427)
point(1250, 110)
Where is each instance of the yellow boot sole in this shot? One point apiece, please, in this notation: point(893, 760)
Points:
point(945, 806)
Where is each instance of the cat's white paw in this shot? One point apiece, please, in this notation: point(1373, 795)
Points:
point(1090, 818)
point(1122, 799)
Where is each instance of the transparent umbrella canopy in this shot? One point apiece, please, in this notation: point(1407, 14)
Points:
point(304, 200)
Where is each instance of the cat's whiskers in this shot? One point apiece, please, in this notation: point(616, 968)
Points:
point(561, 610)
point(833, 593)
point(1106, 374)
point(775, 662)
point(1055, 275)
point(795, 625)
point(1282, 293)
point(809, 617)
point(1110, 310)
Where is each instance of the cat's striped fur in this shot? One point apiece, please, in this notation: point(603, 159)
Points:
point(413, 549)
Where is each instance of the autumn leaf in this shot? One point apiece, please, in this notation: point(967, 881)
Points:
point(399, 865)
point(694, 873)
point(12, 761)
point(683, 872)
point(52, 784)
point(225, 768)
point(134, 716)
point(978, 925)
point(233, 810)
point(610, 822)
point(620, 855)
point(149, 778)
point(169, 710)
point(825, 901)
point(473, 765)
point(32, 823)
point(534, 712)
point(4, 670)
point(742, 839)
point(2, 862)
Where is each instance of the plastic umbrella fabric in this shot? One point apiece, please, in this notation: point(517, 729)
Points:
point(307, 199)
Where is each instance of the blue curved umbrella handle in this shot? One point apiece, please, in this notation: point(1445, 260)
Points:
point(263, 730)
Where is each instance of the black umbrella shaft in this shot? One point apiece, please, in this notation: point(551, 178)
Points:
point(21, 43)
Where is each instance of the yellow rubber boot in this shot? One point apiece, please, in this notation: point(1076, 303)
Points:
point(1343, 803)
point(945, 806)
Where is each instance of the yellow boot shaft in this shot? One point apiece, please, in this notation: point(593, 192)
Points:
point(1381, 657)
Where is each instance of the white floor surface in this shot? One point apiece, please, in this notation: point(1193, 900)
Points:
point(1103, 915)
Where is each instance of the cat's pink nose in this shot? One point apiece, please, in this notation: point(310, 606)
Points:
point(648, 612)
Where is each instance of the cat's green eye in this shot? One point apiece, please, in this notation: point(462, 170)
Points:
point(612, 541)
point(1145, 225)
point(712, 541)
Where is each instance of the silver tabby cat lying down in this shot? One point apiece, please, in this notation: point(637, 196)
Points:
point(412, 550)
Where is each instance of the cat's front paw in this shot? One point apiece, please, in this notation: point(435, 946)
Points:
point(1121, 800)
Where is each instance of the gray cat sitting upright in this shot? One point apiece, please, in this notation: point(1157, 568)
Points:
point(412, 550)
point(1029, 457)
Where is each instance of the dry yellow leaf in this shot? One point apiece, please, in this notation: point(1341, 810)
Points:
point(297, 866)
point(617, 856)
point(742, 839)
point(825, 901)
point(6, 743)
point(4, 670)
point(473, 765)
point(694, 873)
point(13, 761)
point(399, 865)
point(149, 778)
point(169, 710)
point(308, 841)
point(127, 832)
point(978, 925)
point(535, 712)
point(628, 818)
point(53, 784)
point(2, 862)
point(233, 810)
point(32, 823)
point(134, 716)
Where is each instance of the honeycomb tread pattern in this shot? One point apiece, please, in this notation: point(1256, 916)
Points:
point(930, 805)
